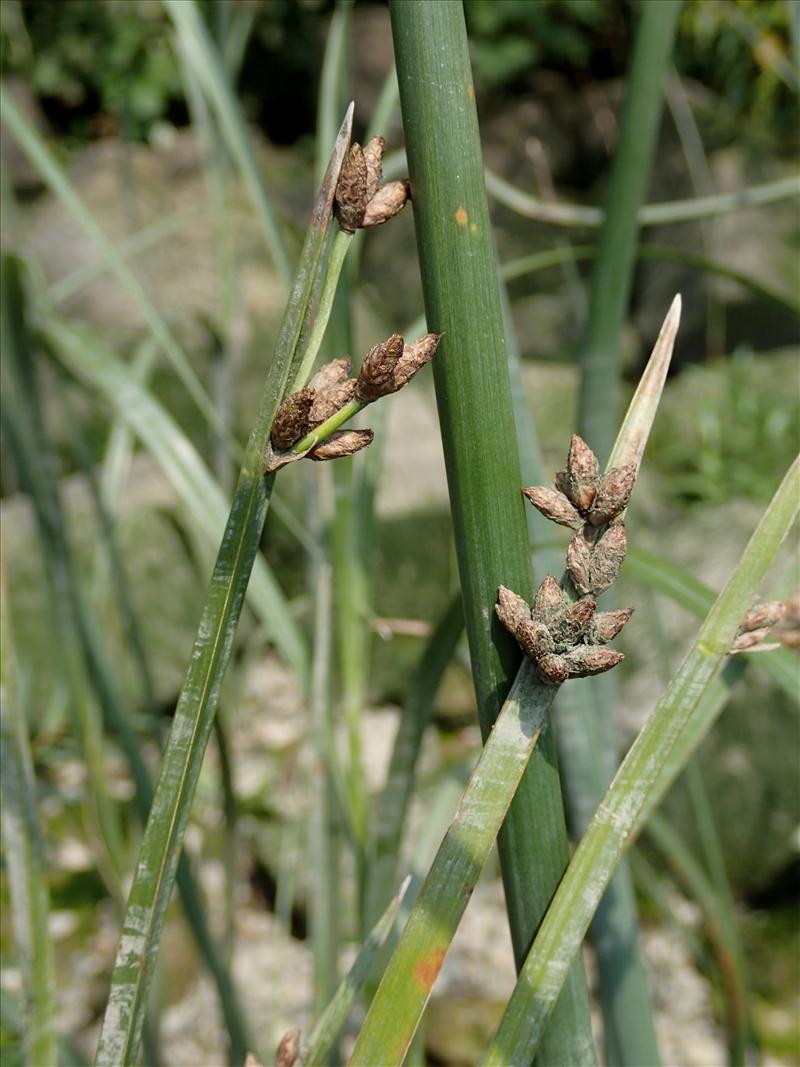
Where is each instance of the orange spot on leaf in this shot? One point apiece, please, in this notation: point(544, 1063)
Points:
point(461, 217)
point(427, 968)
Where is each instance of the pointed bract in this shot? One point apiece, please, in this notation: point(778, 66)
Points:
point(549, 595)
point(581, 474)
point(554, 506)
point(288, 1051)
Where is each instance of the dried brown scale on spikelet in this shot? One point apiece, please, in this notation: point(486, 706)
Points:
point(761, 621)
point(360, 201)
point(566, 638)
point(386, 368)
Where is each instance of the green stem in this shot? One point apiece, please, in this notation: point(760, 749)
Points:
point(457, 264)
point(23, 849)
point(310, 347)
point(211, 652)
point(325, 429)
point(670, 211)
point(407, 983)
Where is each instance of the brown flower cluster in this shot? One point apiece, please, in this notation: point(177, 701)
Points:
point(758, 623)
point(591, 504)
point(360, 199)
point(387, 367)
point(565, 638)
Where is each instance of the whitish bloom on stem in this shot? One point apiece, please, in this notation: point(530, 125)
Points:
point(360, 200)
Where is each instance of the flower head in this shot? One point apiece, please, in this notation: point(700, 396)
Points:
point(360, 200)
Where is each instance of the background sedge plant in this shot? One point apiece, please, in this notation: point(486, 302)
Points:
point(154, 216)
point(386, 369)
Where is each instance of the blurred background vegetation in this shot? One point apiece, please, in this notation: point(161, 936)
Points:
point(100, 79)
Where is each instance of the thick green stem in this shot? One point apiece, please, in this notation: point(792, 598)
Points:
point(473, 395)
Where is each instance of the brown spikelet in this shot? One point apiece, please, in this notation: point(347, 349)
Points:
point(581, 474)
point(570, 626)
point(548, 596)
point(291, 419)
point(606, 625)
point(606, 559)
point(554, 506)
point(328, 403)
point(342, 443)
point(511, 609)
point(350, 200)
point(376, 375)
point(764, 615)
point(330, 374)
point(373, 157)
point(579, 560)
point(552, 668)
point(288, 1049)
point(584, 660)
point(414, 357)
point(534, 638)
point(613, 494)
point(386, 203)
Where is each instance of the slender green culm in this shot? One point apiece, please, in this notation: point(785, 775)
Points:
point(628, 1025)
point(637, 786)
point(191, 729)
point(475, 411)
point(323, 1036)
point(406, 985)
point(668, 211)
point(23, 850)
point(598, 404)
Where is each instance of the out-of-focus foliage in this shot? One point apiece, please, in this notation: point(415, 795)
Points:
point(726, 428)
point(738, 49)
point(741, 50)
point(92, 61)
point(509, 39)
point(96, 64)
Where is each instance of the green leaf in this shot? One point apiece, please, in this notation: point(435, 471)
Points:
point(637, 787)
point(194, 715)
